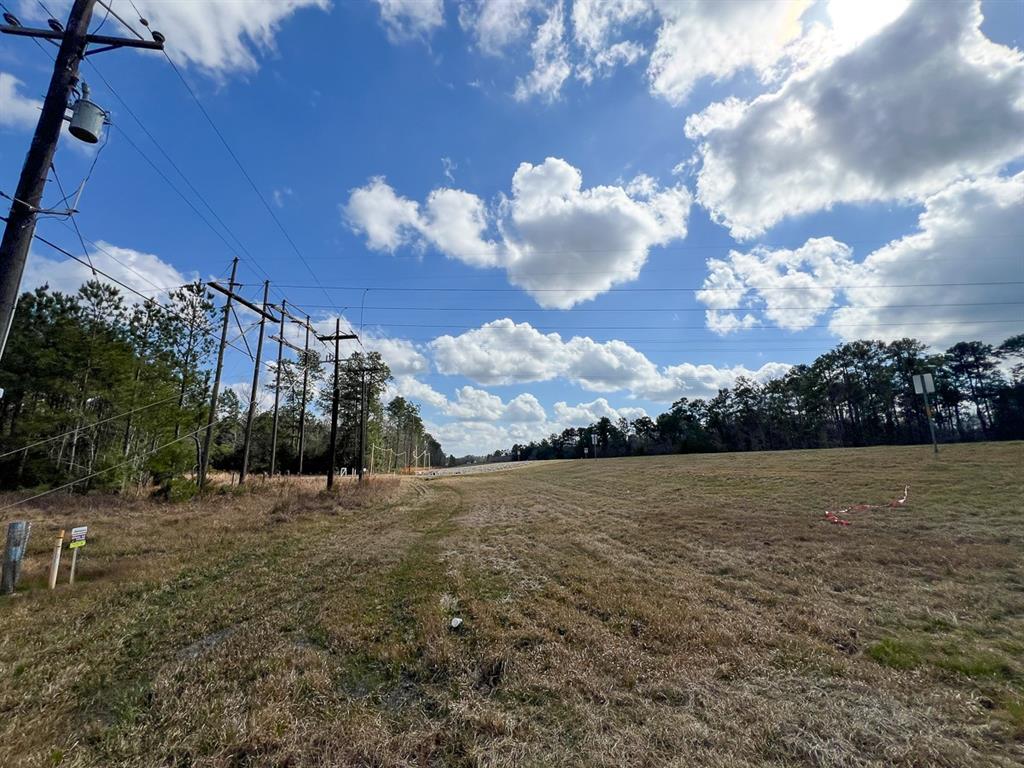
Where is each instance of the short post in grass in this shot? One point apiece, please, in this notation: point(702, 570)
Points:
point(17, 540)
point(58, 545)
point(77, 542)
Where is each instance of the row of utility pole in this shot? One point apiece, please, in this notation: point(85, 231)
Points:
point(266, 313)
point(86, 122)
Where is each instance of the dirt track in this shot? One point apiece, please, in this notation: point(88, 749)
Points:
point(475, 469)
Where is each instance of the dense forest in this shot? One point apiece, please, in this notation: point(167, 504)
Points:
point(858, 394)
point(95, 387)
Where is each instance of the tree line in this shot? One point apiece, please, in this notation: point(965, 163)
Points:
point(94, 386)
point(858, 394)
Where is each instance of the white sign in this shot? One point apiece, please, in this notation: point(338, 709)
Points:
point(923, 382)
point(78, 536)
point(593, 439)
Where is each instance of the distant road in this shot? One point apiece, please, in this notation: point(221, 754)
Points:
point(475, 469)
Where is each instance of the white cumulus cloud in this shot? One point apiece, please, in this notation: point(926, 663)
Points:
point(969, 233)
point(16, 109)
point(794, 288)
point(557, 240)
point(709, 38)
point(956, 278)
point(922, 102)
point(144, 272)
point(506, 352)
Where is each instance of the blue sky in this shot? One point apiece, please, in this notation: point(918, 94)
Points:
point(523, 168)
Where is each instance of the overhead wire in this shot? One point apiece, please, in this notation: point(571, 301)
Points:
point(91, 425)
point(132, 289)
point(638, 289)
point(99, 472)
point(687, 309)
point(244, 172)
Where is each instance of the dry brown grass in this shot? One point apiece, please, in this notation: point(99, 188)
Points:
point(668, 611)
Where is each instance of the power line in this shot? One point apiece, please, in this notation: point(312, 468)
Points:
point(467, 289)
point(87, 426)
point(574, 328)
point(101, 471)
point(232, 247)
point(687, 309)
point(127, 287)
point(245, 173)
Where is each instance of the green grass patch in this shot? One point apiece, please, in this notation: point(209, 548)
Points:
point(898, 654)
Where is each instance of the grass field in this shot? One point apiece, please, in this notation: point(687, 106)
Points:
point(673, 611)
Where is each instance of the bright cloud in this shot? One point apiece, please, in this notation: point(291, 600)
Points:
point(969, 233)
point(956, 278)
point(218, 37)
point(401, 355)
point(144, 272)
point(793, 287)
point(715, 39)
point(584, 414)
point(496, 24)
point(405, 19)
point(550, 56)
point(560, 242)
point(505, 352)
point(895, 118)
point(480, 421)
point(16, 109)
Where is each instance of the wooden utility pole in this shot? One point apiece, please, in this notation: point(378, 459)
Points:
point(338, 337)
point(204, 465)
point(305, 391)
point(277, 390)
point(74, 38)
point(255, 385)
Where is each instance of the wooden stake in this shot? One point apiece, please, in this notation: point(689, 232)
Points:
point(55, 563)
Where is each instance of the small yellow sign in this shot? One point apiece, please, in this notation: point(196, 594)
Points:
point(76, 544)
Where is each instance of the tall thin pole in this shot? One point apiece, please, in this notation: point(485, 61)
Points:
point(204, 465)
point(277, 391)
point(931, 421)
point(255, 387)
point(305, 391)
point(21, 221)
point(362, 423)
point(334, 405)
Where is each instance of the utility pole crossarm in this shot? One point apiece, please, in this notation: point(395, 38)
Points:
point(244, 302)
point(339, 337)
point(281, 340)
point(105, 40)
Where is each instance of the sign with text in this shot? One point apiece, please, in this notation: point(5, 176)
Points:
point(78, 536)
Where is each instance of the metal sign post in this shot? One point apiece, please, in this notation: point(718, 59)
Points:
point(77, 542)
point(924, 384)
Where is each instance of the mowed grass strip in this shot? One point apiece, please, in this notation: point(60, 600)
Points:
point(682, 610)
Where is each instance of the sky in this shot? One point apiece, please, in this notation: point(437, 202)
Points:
point(541, 213)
